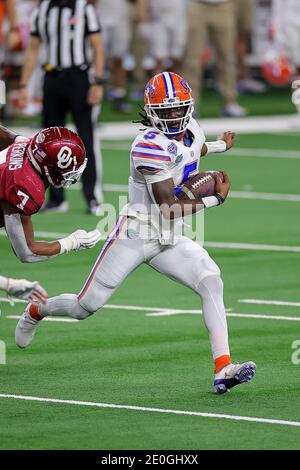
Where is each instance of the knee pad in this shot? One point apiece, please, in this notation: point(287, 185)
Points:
point(80, 313)
point(95, 297)
point(210, 285)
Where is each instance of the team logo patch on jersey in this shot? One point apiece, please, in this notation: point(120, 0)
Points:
point(133, 234)
point(172, 148)
point(179, 158)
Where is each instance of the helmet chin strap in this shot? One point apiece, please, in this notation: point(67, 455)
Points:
point(50, 180)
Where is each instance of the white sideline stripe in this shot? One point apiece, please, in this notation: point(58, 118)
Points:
point(241, 315)
point(169, 312)
point(121, 131)
point(252, 246)
point(12, 301)
point(269, 302)
point(161, 312)
point(153, 410)
point(58, 319)
point(225, 245)
point(264, 196)
point(236, 151)
point(123, 188)
point(263, 153)
point(265, 317)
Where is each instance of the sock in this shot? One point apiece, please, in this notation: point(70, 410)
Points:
point(65, 304)
point(211, 291)
point(221, 362)
point(34, 312)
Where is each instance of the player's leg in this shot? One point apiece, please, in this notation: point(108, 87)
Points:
point(196, 41)
point(191, 265)
point(119, 256)
point(55, 108)
point(83, 115)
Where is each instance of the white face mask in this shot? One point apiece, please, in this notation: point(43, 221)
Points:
point(172, 125)
point(71, 177)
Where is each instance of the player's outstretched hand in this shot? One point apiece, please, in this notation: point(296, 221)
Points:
point(26, 290)
point(80, 240)
point(228, 138)
point(222, 186)
point(87, 239)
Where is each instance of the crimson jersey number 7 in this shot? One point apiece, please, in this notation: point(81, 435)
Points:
point(24, 198)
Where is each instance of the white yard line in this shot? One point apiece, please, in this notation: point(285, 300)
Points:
point(57, 319)
point(152, 410)
point(252, 246)
point(264, 196)
point(236, 151)
point(12, 301)
point(163, 312)
point(121, 131)
point(263, 317)
point(258, 196)
point(239, 315)
point(269, 302)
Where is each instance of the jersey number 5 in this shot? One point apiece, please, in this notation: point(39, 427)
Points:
point(187, 171)
point(24, 197)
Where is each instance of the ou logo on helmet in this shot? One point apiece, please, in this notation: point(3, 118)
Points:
point(64, 157)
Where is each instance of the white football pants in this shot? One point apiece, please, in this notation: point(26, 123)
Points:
point(185, 262)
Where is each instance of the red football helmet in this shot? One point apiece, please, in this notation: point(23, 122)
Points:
point(168, 102)
point(58, 155)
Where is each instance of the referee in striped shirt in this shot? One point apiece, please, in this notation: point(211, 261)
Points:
point(70, 32)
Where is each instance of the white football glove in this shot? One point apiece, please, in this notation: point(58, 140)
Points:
point(26, 290)
point(79, 240)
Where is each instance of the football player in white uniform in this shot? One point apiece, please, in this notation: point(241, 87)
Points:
point(163, 157)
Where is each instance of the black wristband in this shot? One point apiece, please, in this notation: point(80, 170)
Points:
point(99, 81)
point(220, 198)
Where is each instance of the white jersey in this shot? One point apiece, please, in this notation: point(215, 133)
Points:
point(111, 12)
point(153, 158)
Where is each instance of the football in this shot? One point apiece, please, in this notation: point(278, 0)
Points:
point(200, 185)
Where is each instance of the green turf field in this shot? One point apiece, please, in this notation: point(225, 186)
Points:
point(128, 357)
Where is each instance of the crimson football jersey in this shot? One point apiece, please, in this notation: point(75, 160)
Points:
point(20, 185)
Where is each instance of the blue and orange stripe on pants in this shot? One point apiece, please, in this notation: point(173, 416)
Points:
point(112, 237)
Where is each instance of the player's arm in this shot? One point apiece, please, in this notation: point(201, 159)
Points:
point(29, 63)
point(225, 143)
point(172, 208)
point(31, 291)
point(7, 137)
point(20, 231)
point(95, 93)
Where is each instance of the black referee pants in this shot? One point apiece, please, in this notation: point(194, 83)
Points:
point(66, 91)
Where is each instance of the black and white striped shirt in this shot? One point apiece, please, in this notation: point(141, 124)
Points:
point(63, 27)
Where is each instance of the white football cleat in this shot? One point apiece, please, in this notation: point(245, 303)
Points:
point(25, 329)
point(232, 375)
